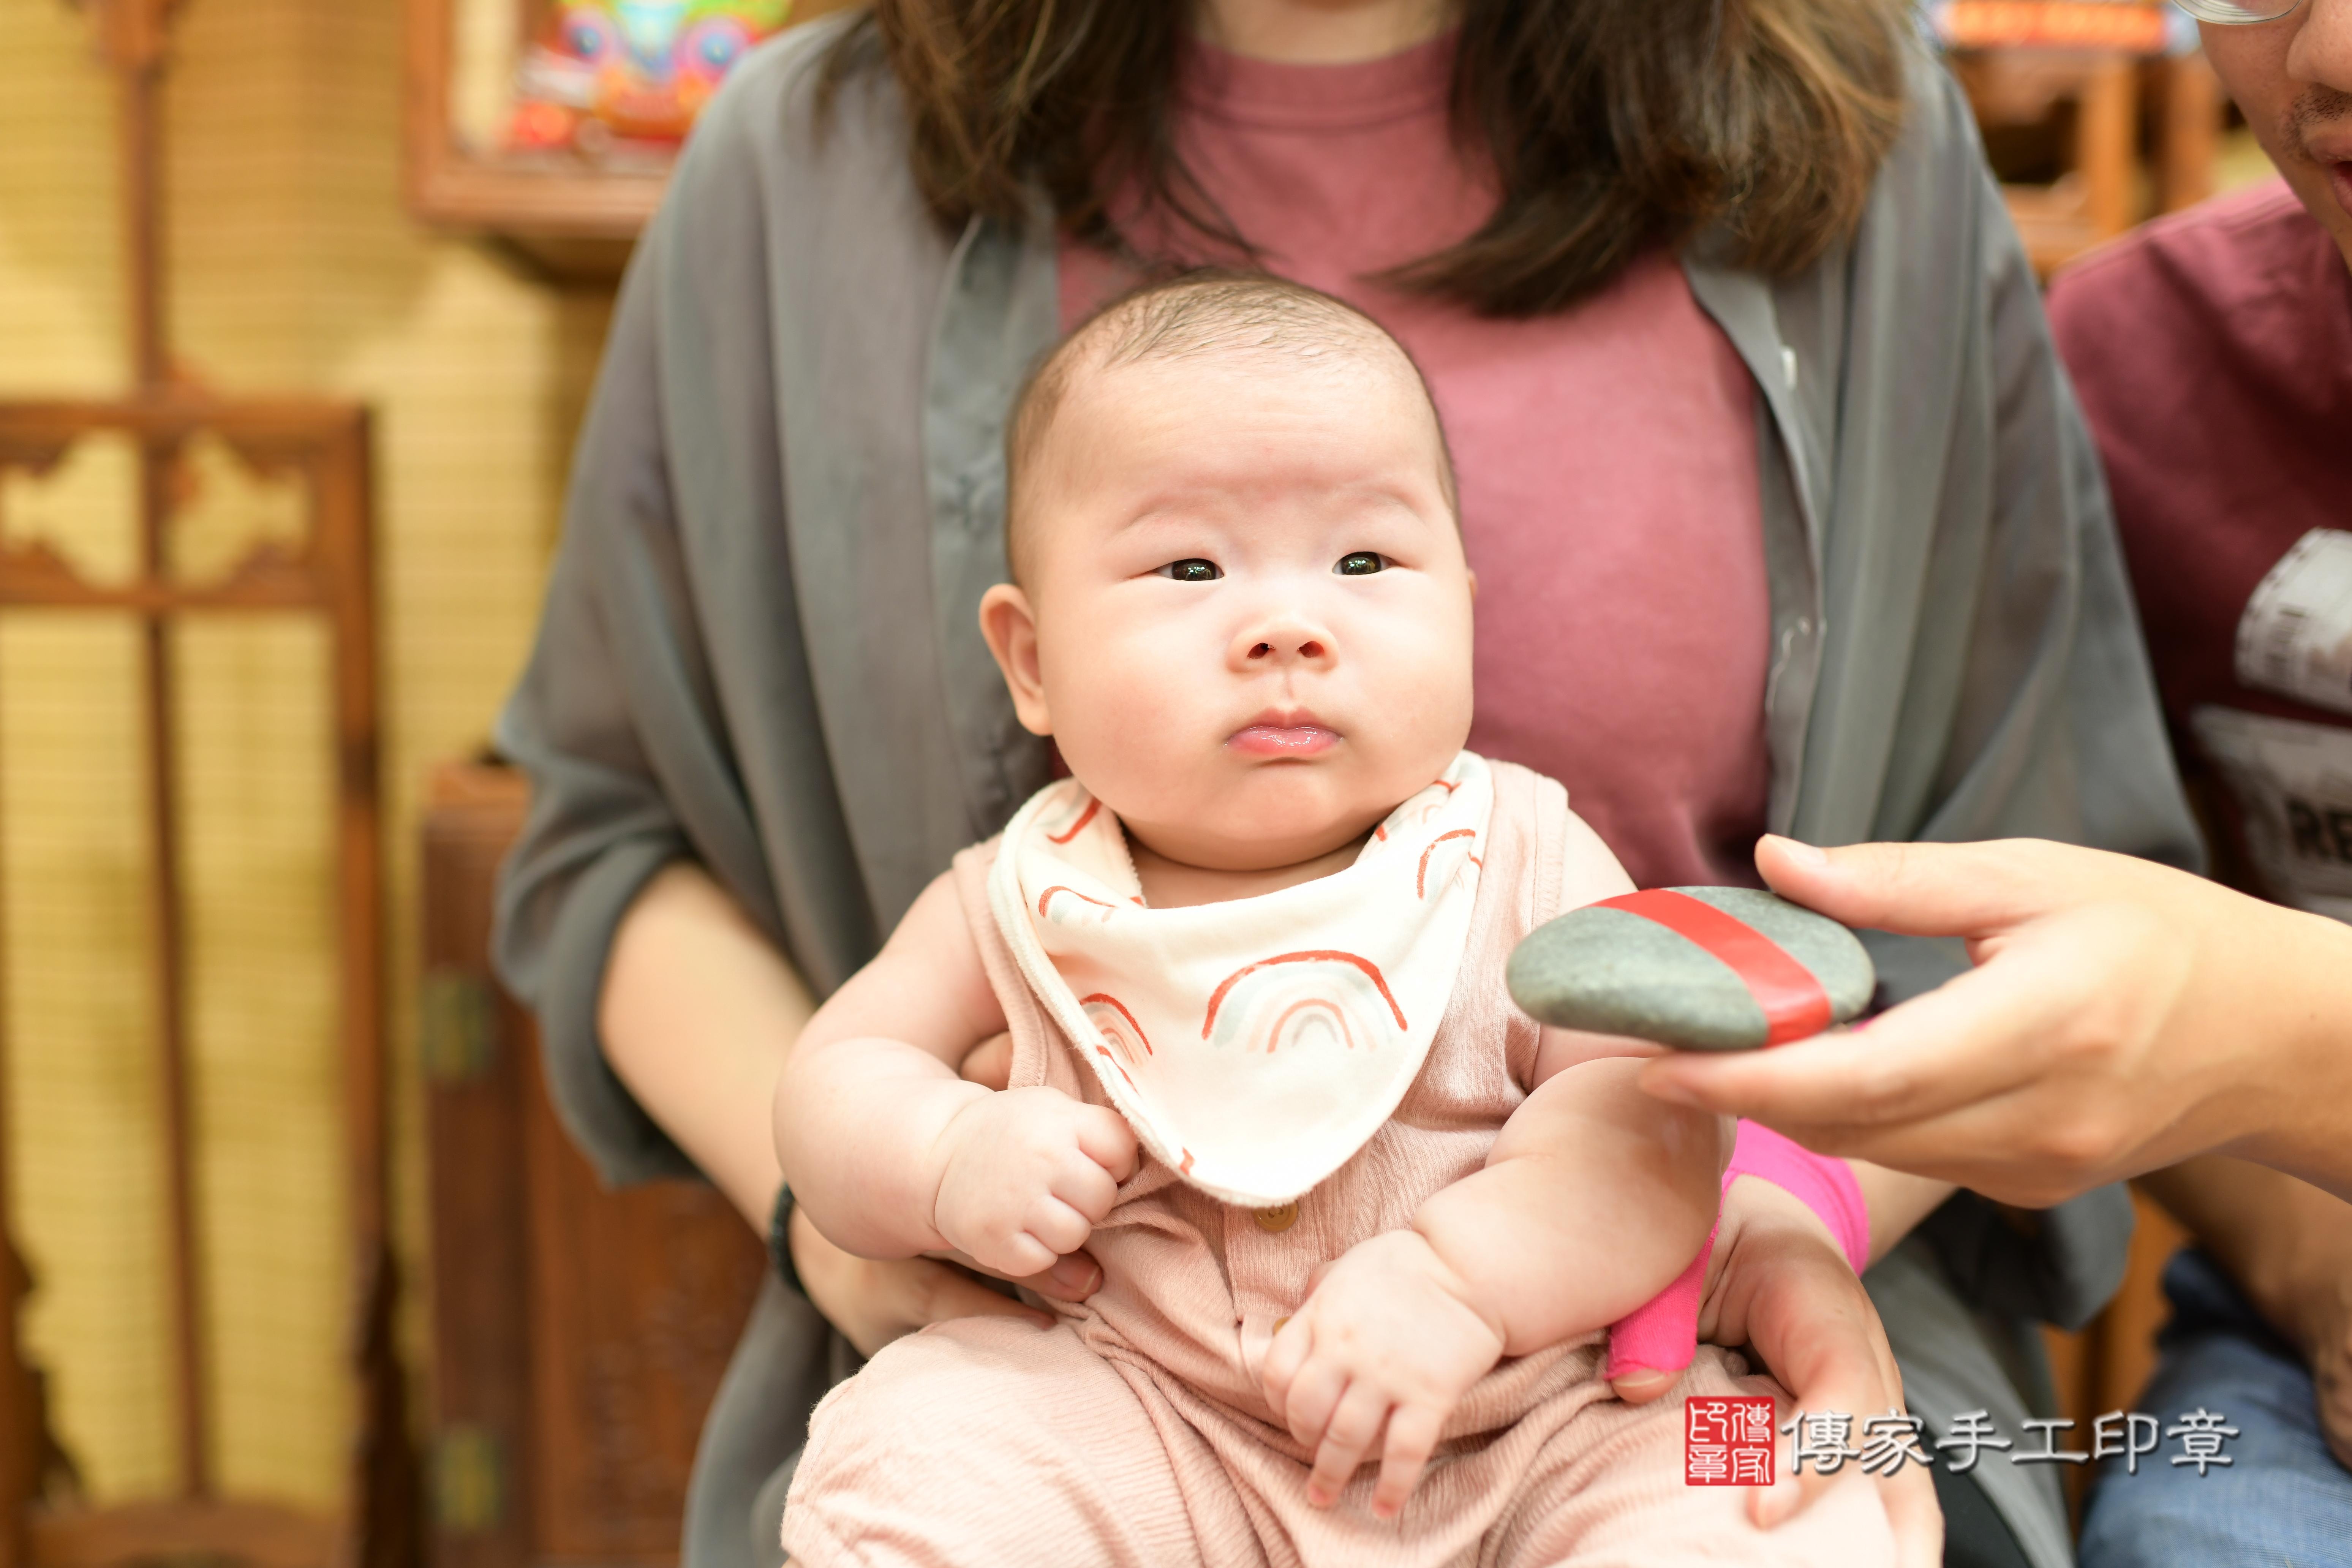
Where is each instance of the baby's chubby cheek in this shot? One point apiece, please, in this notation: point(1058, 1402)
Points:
point(1133, 717)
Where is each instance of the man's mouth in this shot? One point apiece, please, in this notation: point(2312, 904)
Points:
point(2319, 127)
point(1285, 732)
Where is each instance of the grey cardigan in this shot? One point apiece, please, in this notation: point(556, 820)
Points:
point(760, 648)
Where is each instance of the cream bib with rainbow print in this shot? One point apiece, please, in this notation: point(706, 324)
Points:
point(1254, 1045)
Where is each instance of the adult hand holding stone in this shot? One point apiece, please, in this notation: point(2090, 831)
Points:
point(2122, 1016)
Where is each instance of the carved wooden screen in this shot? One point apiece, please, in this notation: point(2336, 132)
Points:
point(324, 574)
point(323, 448)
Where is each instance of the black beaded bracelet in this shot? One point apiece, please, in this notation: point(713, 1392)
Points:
point(780, 1240)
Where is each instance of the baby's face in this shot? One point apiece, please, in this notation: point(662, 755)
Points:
point(1251, 610)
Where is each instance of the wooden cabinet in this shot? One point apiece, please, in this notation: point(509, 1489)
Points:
point(579, 1335)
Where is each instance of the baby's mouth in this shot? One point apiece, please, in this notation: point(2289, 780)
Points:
point(1284, 735)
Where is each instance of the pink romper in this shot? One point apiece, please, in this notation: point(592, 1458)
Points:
point(1134, 1433)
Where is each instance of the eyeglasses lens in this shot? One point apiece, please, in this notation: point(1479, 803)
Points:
point(2231, 12)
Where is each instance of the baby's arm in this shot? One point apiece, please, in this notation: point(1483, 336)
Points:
point(893, 1154)
point(1594, 1197)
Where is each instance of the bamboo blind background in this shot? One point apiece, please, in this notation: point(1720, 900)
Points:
point(293, 267)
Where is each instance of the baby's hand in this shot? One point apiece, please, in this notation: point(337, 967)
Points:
point(1025, 1175)
point(1384, 1338)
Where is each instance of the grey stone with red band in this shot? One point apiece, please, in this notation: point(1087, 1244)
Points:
point(1667, 965)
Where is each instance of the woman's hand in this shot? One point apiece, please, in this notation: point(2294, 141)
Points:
point(2123, 1016)
point(1780, 1283)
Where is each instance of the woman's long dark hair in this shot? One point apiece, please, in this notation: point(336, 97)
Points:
point(1610, 125)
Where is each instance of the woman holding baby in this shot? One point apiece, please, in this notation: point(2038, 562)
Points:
point(1780, 516)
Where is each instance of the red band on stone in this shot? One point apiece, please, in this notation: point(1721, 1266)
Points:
point(1795, 1005)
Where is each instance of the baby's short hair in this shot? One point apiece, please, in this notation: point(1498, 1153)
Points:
point(1195, 315)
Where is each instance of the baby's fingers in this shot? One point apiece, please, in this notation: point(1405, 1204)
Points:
point(1085, 1186)
point(1108, 1140)
point(1314, 1396)
point(1354, 1428)
point(1018, 1256)
point(1056, 1227)
point(1284, 1357)
point(1413, 1436)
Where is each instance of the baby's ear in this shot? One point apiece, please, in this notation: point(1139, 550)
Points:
point(1011, 628)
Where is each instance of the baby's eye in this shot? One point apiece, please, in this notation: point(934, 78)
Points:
point(1195, 569)
point(1362, 563)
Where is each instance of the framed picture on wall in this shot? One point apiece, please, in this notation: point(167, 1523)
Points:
point(553, 123)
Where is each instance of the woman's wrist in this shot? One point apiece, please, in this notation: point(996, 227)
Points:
point(697, 1015)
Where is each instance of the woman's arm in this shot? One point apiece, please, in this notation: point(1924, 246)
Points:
point(636, 765)
point(610, 807)
point(2123, 1017)
point(698, 1012)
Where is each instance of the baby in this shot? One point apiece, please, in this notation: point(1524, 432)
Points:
point(1358, 1219)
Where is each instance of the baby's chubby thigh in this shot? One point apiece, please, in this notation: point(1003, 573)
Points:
point(1607, 1492)
point(985, 1441)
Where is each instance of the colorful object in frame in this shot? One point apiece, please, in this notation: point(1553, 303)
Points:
point(2129, 26)
point(608, 71)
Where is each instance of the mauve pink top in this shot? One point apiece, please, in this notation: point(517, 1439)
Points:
point(1607, 454)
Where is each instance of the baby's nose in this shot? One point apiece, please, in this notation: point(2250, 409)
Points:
point(1284, 640)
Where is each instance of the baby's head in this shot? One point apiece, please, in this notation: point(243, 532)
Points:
point(1240, 604)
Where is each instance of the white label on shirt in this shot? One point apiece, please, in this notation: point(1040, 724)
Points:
point(2293, 784)
point(2295, 638)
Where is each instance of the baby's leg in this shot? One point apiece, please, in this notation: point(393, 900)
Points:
point(985, 1441)
point(1608, 1492)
